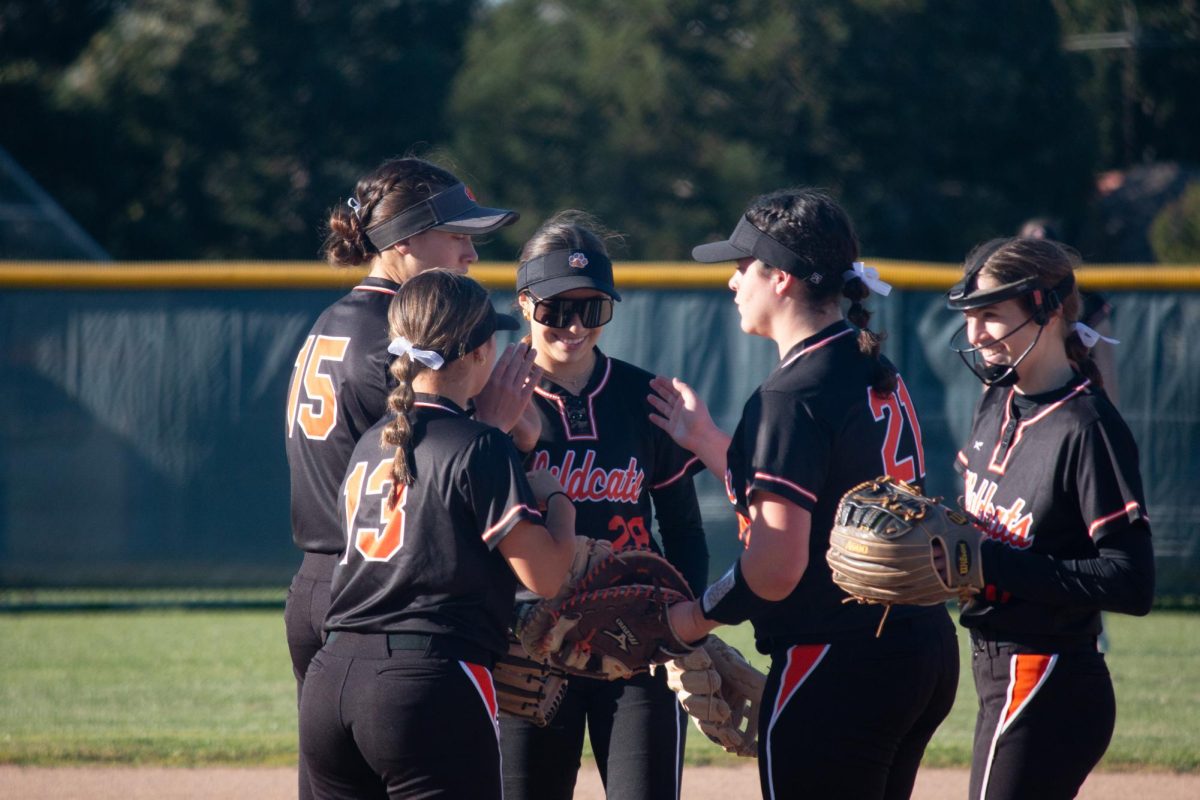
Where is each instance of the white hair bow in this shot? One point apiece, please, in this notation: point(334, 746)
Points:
point(403, 347)
point(1090, 337)
point(869, 276)
point(355, 206)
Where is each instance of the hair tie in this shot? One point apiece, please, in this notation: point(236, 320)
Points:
point(355, 206)
point(869, 276)
point(1090, 336)
point(403, 347)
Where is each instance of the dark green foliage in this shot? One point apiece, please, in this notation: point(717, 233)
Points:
point(938, 123)
point(1175, 232)
point(226, 128)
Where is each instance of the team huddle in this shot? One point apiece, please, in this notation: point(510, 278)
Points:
point(483, 581)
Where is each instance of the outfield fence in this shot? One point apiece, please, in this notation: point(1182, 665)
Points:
point(141, 407)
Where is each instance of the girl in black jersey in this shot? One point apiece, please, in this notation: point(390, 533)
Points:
point(1051, 472)
point(846, 713)
point(620, 472)
point(440, 524)
point(404, 217)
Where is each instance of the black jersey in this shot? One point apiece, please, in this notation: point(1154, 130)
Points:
point(430, 565)
point(339, 389)
point(812, 431)
point(1053, 474)
point(611, 460)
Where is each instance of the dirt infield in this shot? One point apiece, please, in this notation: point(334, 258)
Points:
point(700, 783)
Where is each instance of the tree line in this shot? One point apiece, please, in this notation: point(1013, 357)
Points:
point(226, 129)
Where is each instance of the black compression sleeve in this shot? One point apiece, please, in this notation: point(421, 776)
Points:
point(682, 531)
point(1119, 579)
point(731, 600)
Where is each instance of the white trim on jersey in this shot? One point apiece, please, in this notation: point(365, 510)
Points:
point(1021, 427)
point(815, 346)
point(677, 475)
point(1127, 511)
point(507, 519)
point(782, 481)
point(420, 404)
point(562, 408)
point(379, 289)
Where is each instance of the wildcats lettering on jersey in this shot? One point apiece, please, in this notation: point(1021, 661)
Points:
point(588, 482)
point(1008, 525)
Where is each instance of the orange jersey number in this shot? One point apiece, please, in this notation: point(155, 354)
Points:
point(312, 397)
point(634, 535)
point(899, 406)
point(368, 541)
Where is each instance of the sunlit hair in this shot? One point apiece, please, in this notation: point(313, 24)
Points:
point(569, 230)
point(435, 310)
point(1010, 260)
point(380, 194)
point(812, 225)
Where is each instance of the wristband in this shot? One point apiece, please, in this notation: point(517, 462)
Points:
point(731, 600)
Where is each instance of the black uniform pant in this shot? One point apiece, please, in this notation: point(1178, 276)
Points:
point(852, 719)
point(1044, 721)
point(400, 716)
point(637, 730)
point(304, 620)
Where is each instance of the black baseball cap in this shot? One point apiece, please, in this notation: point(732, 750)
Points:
point(747, 240)
point(453, 210)
point(495, 321)
point(563, 270)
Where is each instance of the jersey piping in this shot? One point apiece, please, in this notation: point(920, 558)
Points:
point(1022, 426)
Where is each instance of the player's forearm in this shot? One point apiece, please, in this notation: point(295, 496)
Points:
point(560, 524)
point(682, 531)
point(712, 446)
point(1120, 579)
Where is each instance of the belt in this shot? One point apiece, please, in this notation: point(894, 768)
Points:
point(398, 641)
point(432, 645)
point(1042, 645)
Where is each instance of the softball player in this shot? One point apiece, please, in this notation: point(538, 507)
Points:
point(1051, 472)
point(621, 472)
point(439, 525)
point(846, 713)
point(404, 217)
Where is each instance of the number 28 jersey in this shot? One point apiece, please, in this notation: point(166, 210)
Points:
point(811, 432)
point(429, 564)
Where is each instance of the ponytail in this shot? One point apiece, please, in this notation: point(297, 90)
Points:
point(883, 376)
point(1080, 356)
point(398, 433)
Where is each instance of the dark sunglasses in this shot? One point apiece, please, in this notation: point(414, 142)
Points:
point(555, 313)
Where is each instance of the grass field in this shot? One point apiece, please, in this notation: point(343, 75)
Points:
point(181, 687)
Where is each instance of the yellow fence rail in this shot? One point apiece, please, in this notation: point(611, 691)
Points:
point(76, 275)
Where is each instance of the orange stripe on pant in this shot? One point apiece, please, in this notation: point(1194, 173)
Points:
point(482, 678)
point(1028, 674)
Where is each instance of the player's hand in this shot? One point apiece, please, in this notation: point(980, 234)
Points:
point(506, 394)
point(940, 565)
point(687, 621)
point(543, 483)
point(681, 413)
point(528, 430)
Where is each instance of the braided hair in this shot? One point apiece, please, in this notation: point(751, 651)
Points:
point(379, 195)
point(435, 310)
point(813, 226)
